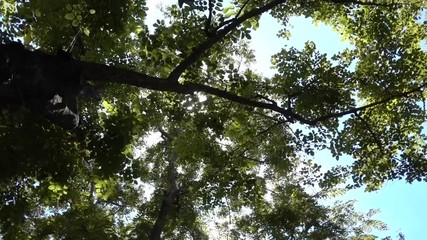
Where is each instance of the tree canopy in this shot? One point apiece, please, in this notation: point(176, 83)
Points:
point(187, 134)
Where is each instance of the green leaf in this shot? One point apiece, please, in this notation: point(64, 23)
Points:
point(37, 13)
point(229, 14)
point(228, 8)
point(69, 16)
point(86, 31)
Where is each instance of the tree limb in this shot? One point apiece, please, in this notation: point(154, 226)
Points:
point(366, 3)
point(209, 20)
point(241, 8)
point(217, 37)
point(357, 109)
point(102, 73)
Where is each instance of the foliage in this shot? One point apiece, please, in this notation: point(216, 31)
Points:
point(187, 133)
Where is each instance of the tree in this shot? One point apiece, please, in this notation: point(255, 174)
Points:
point(231, 143)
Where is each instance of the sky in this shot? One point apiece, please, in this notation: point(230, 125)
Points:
point(403, 205)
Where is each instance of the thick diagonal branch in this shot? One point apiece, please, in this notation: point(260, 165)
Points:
point(98, 72)
point(209, 42)
point(102, 73)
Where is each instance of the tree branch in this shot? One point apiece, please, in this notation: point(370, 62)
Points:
point(217, 37)
point(241, 9)
point(102, 73)
point(209, 20)
point(357, 109)
point(365, 3)
point(98, 72)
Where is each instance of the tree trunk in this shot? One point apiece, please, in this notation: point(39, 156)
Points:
point(166, 206)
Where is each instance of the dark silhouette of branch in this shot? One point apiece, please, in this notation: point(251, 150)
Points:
point(233, 19)
point(366, 3)
point(217, 37)
point(209, 20)
point(102, 73)
point(241, 9)
point(357, 109)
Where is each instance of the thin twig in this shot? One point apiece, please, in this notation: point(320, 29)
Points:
point(241, 9)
